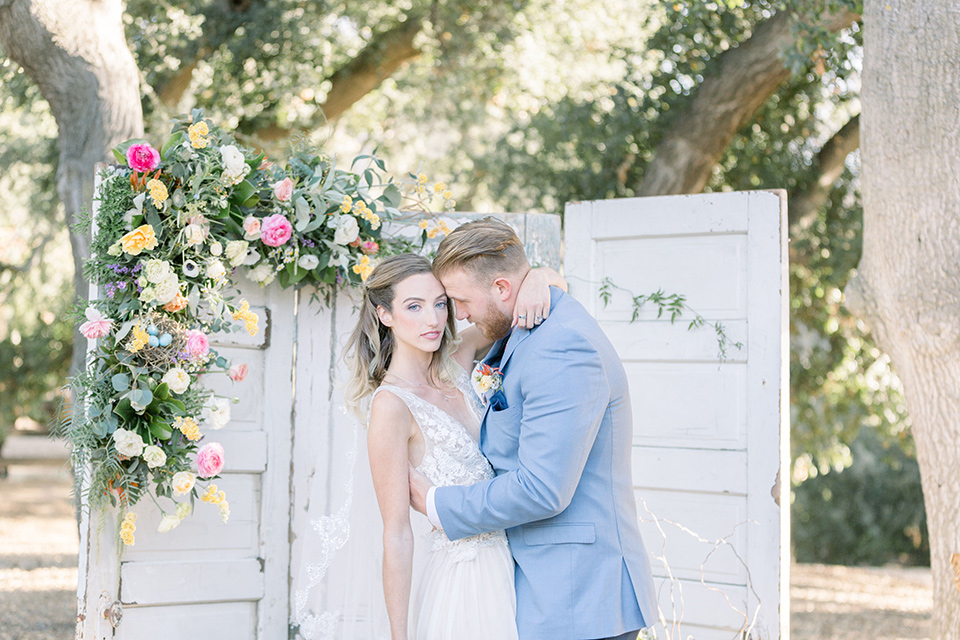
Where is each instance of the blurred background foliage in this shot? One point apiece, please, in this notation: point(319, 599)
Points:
point(523, 105)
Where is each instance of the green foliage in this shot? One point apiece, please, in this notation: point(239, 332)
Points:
point(673, 304)
point(870, 513)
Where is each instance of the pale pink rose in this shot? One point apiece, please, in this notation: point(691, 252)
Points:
point(275, 230)
point(142, 157)
point(96, 325)
point(197, 344)
point(251, 228)
point(238, 372)
point(370, 247)
point(210, 460)
point(283, 190)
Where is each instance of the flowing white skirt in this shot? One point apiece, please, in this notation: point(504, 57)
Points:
point(465, 590)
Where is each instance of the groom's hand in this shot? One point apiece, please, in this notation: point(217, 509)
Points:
point(419, 485)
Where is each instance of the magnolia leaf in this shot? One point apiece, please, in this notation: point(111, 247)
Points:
point(173, 141)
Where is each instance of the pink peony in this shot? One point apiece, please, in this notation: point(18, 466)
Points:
point(197, 344)
point(283, 190)
point(210, 460)
point(96, 325)
point(370, 247)
point(143, 157)
point(238, 372)
point(275, 230)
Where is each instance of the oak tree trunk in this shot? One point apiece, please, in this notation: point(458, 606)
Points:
point(908, 282)
point(735, 85)
point(76, 52)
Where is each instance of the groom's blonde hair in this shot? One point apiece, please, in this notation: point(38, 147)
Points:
point(487, 248)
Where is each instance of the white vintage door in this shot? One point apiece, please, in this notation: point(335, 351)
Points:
point(207, 579)
point(710, 434)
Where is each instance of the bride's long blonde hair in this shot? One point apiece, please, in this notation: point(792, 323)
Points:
point(370, 347)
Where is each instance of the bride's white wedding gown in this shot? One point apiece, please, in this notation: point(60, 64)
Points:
point(465, 590)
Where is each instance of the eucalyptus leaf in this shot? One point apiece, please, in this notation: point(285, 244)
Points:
point(121, 382)
point(124, 330)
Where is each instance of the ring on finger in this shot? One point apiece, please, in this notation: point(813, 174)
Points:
point(522, 317)
point(538, 318)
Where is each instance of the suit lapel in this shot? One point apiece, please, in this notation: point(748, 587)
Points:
point(513, 340)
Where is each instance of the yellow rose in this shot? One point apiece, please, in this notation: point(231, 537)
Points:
point(139, 239)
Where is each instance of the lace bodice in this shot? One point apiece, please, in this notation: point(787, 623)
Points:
point(452, 456)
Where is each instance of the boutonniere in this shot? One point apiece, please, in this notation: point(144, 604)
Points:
point(486, 381)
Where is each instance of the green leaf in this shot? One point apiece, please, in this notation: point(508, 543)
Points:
point(121, 158)
point(172, 142)
point(302, 208)
point(242, 192)
point(160, 429)
point(124, 329)
point(391, 195)
point(162, 391)
point(121, 382)
point(124, 410)
point(141, 397)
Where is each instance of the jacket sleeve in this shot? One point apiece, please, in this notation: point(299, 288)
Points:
point(564, 393)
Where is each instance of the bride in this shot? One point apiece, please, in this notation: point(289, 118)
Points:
point(405, 355)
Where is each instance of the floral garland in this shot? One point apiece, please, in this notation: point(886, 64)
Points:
point(174, 228)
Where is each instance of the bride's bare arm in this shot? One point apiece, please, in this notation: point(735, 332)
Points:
point(388, 442)
point(533, 299)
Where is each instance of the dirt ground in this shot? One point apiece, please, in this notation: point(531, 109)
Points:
point(38, 576)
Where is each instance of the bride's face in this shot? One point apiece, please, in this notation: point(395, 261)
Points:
point(419, 312)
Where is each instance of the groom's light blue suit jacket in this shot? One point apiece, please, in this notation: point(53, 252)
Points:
point(560, 444)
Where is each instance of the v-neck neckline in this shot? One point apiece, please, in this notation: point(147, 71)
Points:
point(443, 411)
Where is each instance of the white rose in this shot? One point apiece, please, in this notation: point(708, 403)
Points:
point(147, 295)
point(236, 252)
point(183, 482)
point(215, 270)
point(154, 457)
point(115, 249)
point(216, 249)
point(308, 262)
point(167, 290)
point(216, 413)
point(235, 167)
point(193, 234)
point(177, 379)
point(233, 160)
point(127, 443)
point(156, 271)
point(262, 274)
point(347, 230)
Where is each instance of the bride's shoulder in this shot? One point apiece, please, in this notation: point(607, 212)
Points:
point(388, 407)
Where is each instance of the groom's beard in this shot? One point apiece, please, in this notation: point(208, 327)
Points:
point(495, 324)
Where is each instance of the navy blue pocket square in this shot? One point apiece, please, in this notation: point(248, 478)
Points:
point(498, 401)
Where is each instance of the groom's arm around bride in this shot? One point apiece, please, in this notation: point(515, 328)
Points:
point(559, 438)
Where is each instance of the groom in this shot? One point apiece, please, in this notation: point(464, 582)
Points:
point(558, 434)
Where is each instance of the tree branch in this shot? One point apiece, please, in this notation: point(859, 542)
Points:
point(35, 254)
point(829, 164)
point(377, 61)
point(737, 83)
point(221, 21)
